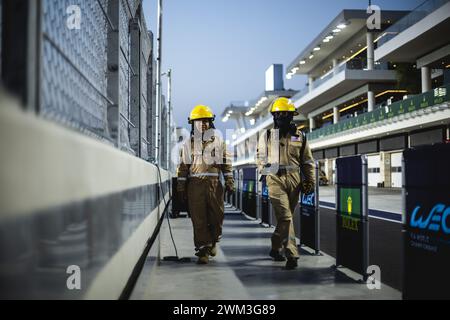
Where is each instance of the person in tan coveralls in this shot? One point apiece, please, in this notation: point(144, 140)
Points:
point(288, 170)
point(203, 159)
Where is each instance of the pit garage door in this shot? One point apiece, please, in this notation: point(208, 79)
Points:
point(396, 169)
point(373, 165)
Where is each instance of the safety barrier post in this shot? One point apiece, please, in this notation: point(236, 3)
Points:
point(241, 187)
point(258, 195)
point(309, 217)
point(265, 203)
point(235, 189)
point(426, 222)
point(352, 223)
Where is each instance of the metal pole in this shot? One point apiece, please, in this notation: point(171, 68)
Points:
point(158, 110)
point(169, 118)
point(403, 193)
point(316, 204)
point(258, 195)
point(158, 83)
point(365, 216)
point(337, 206)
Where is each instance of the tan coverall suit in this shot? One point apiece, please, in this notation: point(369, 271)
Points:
point(284, 188)
point(205, 192)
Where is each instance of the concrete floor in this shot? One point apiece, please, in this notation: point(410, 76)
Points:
point(384, 199)
point(243, 270)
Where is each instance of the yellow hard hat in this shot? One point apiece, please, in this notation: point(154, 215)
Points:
point(201, 112)
point(283, 104)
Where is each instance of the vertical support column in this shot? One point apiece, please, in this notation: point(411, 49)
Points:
point(370, 51)
point(135, 91)
point(336, 115)
point(335, 66)
point(310, 83)
point(370, 101)
point(312, 124)
point(112, 74)
point(241, 123)
point(426, 79)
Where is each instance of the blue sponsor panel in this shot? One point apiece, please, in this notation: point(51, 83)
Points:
point(427, 222)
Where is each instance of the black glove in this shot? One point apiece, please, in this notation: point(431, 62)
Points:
point(307, 187)
point(229, 186)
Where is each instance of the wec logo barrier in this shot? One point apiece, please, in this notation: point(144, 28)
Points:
point(434, 221)
point(426, 222)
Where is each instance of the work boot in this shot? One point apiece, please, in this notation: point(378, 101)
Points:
point(203, 259)
point(291, 264)
point(202, 255)
point(213, 251)
point(276, 255)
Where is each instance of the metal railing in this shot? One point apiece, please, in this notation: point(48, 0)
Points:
point(411, 18)
point(415, 103)
point(354, 64)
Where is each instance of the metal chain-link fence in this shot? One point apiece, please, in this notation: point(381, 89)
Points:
point(89, 66)
point(74, 63)
point(74, 72)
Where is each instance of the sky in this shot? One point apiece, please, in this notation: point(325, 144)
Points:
point(219, 49)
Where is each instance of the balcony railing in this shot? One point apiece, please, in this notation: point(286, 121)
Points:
point(411, 18)
point(415, 103)
point(354, 64)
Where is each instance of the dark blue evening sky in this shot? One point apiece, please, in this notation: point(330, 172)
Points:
point(219, 49)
